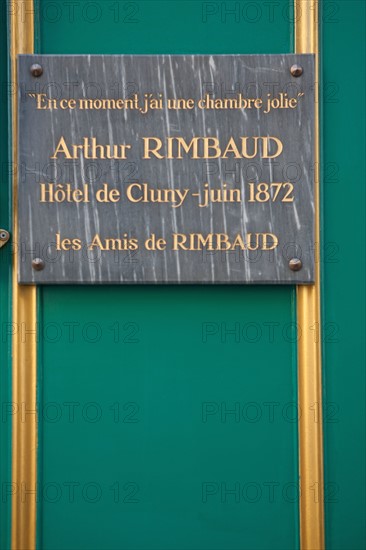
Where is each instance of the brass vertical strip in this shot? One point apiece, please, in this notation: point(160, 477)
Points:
point(309, 319)
point(24, 352)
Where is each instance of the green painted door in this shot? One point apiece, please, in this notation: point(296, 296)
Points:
point(168, 415)
point(343, 25)
point(169, 411)
point(163, 414)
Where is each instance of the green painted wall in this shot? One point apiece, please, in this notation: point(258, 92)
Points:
point(165, 384)
point(5, 292)
point(158, 428)
point(161, 396)
point(344, 272)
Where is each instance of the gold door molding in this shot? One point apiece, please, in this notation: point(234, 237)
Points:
point(309, 315)
point(24, 343)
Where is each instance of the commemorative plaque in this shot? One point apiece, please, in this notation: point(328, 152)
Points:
point(166, 169)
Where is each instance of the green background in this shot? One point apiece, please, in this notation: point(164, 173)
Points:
point(171, 373)
point(133, 389)
point(343, 136)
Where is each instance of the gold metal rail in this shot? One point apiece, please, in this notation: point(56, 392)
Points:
point(24, 343)
point(309, 319)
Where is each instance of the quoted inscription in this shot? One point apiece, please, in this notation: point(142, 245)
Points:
point(151, 102)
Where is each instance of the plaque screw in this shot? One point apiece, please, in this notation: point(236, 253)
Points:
point(4, 237)
point(295, 264)
point(296, 70)
point(36, 70)
point(38, 264)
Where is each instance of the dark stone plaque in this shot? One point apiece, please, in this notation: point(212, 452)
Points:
point(166, 169)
